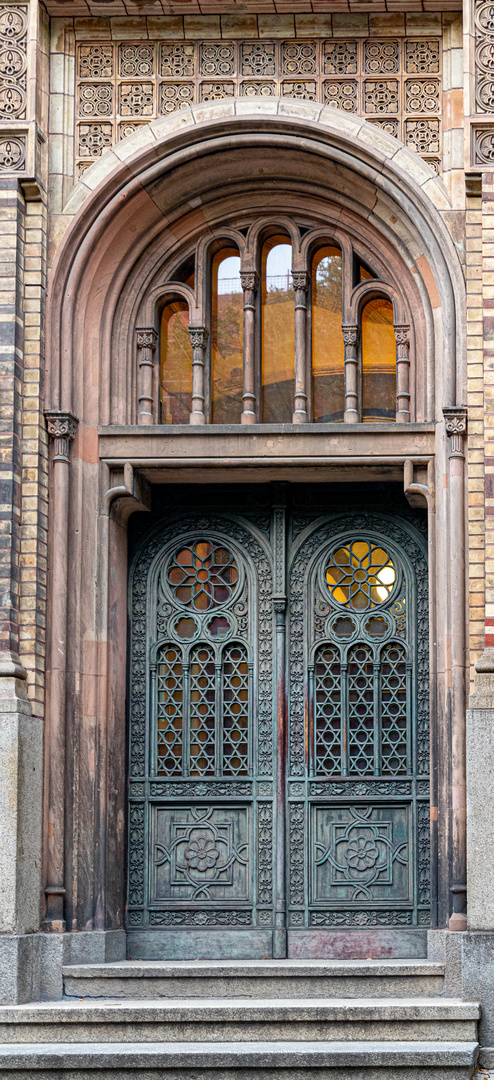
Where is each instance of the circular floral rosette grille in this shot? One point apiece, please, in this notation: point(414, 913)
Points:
point(360, 575)
point(203, 575)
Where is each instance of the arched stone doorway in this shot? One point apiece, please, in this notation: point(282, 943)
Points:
point(139, 209)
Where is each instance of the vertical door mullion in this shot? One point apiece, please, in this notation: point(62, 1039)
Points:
point(344, 720)
point(186, 720)
point(218, 718)
point(377, 717)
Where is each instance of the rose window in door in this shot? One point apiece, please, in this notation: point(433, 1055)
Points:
point(202, 679)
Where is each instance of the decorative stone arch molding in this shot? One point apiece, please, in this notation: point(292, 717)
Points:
point(119, 236)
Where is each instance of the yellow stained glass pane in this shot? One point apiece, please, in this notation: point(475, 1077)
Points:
point(364, 274)
point(360, 575)
point(378, 362)
point(278, 332)
point(176, 364)
point(227, 338)
point(328, 351)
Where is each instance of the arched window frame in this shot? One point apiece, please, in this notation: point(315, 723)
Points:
point(249, 243)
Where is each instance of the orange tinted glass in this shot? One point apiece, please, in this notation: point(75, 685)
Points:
point(364, 274)
point(278, 332)
point(378, 362)
point(227, 339)
point(176, 364)
point(328, 352)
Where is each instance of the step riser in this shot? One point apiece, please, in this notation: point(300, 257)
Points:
point(393, 1073)
point(263, 987)
point(235, 1032)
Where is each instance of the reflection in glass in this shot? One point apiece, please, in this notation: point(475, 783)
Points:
point(176, 364)
point(328, 351)
point(278, 332)
point(378, 362)
point(227, 339)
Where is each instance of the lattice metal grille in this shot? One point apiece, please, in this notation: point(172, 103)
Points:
point(327, 719)
point(170, 710)
point(202, 711)
point(360, 711)
point(235, 711)
point(393, 710)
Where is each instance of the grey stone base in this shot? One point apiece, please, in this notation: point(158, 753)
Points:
point(31, 964)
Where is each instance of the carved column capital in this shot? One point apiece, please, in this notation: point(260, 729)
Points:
point(250, 280)
point(198, 337)
point(402, 335)
point(62, 428)
point(455, 418)
point(350, 335)
point(301, 279)
point(147, 338)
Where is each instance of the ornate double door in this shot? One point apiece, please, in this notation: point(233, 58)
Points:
point(279, 737)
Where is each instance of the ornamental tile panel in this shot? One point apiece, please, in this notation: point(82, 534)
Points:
point(381, 57)
point(258, 58)
point(132, 82)
point(13, 64)
point(381, 96)
point(340, 58)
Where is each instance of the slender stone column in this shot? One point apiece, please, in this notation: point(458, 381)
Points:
point(147, 340)
point(62, 427)
point(300, 285)
point(456, 428)
point(402, 335)
point(199, 340)
point(350, 339)
point(250, 285)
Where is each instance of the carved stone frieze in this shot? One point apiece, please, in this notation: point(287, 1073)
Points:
point(422, 57)
point(251, 88)
point(177, 60)
point(423, 135)
point(215, 91)
point(483, 148)
point(304, 91)
point(94, 139)
point(96, 61)
point(136, 99)
point(136, 61)
point(299, 58)
point(12, 153)
point(422, 95)
point(484, 57)
point(13, 62)
point(217, 58)
point(175, 96)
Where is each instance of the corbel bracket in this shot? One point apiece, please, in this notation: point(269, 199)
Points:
point(127, 492)
point(418, 483)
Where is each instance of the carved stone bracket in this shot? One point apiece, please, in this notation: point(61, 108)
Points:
point(418, 483)
point(62, 428)
point(455, 418)
point(301, 280)
point(126, 493)
point(146, 341)
point(199, 340)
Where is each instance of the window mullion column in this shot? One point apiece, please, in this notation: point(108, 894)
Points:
point(402, 334)
point(250, 285)
point(199, 339)
point(300, 284)
point(350, 339)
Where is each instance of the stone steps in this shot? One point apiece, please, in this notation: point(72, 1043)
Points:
point(255, 978)
point(248, 1061)
point(240, 1020)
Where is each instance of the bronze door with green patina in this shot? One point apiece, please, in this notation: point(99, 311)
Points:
point(278, 753)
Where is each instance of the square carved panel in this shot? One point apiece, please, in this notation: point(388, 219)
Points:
point(200, 854)
point(361, 854)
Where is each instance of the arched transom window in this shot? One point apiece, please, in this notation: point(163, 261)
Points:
point(279, 323)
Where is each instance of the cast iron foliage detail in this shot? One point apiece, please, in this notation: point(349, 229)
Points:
point(265, 853)
point(361, 919)
point(202, 789)
point(296, 813)
point(200, 918)
point(136, 853)
point(358, 788)
point(423, 839)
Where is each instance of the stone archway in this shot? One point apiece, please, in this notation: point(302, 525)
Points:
point(125, 212)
